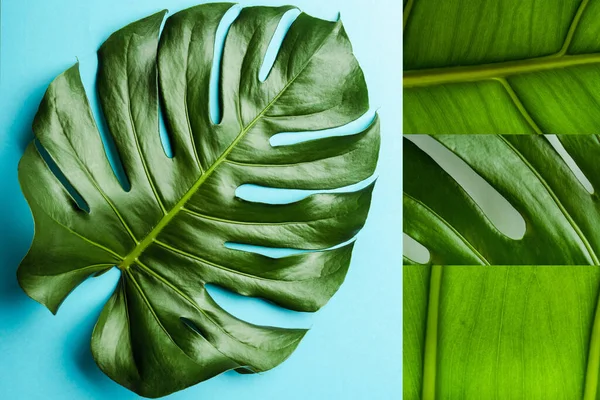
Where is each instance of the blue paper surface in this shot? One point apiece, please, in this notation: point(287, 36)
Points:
point(353, 350)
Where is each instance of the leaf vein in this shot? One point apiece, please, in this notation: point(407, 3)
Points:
point(556, 200)
point(457, 233)
point(520, 106)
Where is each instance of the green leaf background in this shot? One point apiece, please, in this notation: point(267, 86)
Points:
point(504, 67)
point(501, 332)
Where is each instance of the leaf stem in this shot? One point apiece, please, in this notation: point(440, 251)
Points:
point(431, 334)
point(593, 363)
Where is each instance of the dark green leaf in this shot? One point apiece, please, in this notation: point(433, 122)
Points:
point(161, 331)
point(561, 216)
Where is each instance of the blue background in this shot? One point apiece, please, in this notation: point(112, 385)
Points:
point(353, 350)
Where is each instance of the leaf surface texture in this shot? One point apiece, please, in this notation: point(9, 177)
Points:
point(502, 332)
point(503, 67)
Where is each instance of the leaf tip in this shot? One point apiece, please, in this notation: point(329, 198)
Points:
point(30, 292)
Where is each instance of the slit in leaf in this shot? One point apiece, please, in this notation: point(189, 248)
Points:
point(102, 272)
point(88, 68)
point(215, 104)
point(276, 41)
point(192, 326)
point(270, 195)
point(279, 252)
point(352, 128)
point(414, 250)
point(555, 142)
point(258, 311)
point(165, 138)
point(271, 252)
point(78, 200)
point(497, 209)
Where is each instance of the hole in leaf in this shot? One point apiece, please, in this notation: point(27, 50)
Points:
point(258, 311)
point(164, 133)
point(278, 252)
point(414, 250)
point(89, 297)
point(276, 41)
point(497, 209)
point(165, 138)
point(352, 128)
point(272, 252)
point(88, 68)
point(191, 325)
point(162, 24)
point(555, 142)
point(271, 195)
point(77, 198)
point(214, 99)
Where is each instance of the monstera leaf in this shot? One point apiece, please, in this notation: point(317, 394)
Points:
point(507, 332)
point(161, 331)
point(503, 66)
point(562, 217)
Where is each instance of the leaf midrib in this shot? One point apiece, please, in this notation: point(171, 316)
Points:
point(474, 73)
point(431, 334)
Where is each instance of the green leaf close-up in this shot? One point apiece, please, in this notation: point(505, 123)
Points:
point(161, 331)
point(501, 331)
point(561, 216)
point(508, 332)
point(501, 67)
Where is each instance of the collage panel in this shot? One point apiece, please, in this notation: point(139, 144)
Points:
point(501, 67)
point(501, 246)
point(500, 332)
point(501, 278)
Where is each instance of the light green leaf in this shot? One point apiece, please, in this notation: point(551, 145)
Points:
point(501, 333)
point(505, 66)
point(161, 331)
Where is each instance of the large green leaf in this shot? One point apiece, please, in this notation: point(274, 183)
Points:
point(562, 217)
point(161, 331)
point(503, 66)
point(510, 332)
